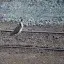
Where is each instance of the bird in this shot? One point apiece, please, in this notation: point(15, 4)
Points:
point(17, 30)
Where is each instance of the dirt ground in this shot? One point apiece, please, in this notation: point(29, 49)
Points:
point(22, 55)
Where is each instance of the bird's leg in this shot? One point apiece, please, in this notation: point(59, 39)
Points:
point(16, 37)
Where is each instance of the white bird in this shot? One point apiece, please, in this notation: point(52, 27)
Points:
point(17, 30)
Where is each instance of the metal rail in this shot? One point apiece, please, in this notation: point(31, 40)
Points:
point(31, 47)
point(35, 31)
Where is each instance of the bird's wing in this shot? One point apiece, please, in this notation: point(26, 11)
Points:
point(16, 30)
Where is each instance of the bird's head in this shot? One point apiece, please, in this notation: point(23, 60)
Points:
point(21, 23)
